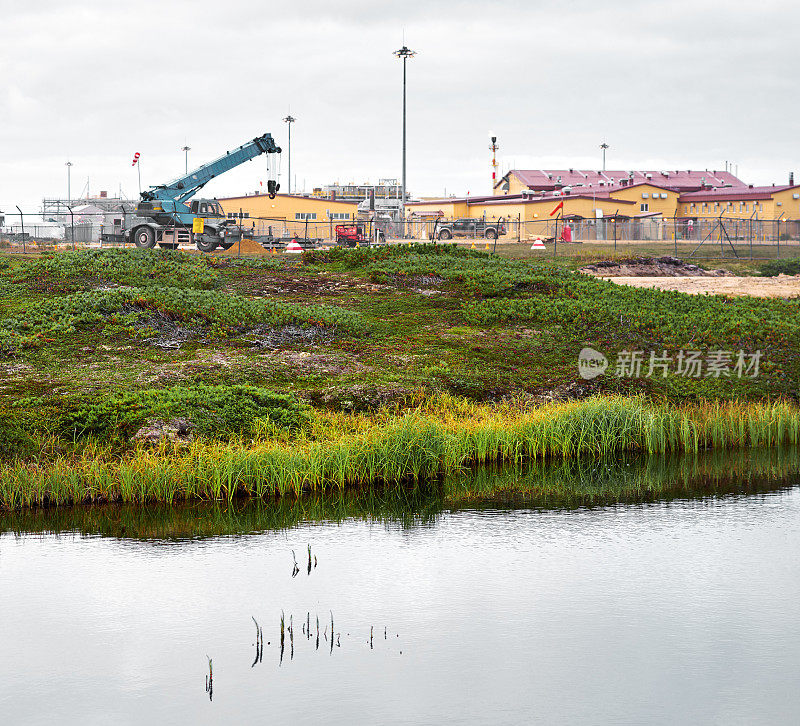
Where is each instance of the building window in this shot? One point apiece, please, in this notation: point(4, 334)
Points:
point(339, 215)
point(644, 207)
point(302, 216)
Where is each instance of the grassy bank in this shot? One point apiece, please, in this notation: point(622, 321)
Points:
point(334, 451)
point(562, 483)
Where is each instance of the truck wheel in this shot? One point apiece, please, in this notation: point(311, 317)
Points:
point(168, 245)
point(205, 245)
point(490, 234)
point(445, 234)
point(145, 238)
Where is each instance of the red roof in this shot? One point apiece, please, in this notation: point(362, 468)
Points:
point(679, 180)
point(734, 193)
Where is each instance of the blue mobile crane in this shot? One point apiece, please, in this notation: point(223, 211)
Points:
point(167, 215)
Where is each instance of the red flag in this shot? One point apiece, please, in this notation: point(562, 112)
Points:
point(135, 158)
point(560, 205)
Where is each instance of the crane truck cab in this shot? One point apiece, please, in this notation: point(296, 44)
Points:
point(154, 225)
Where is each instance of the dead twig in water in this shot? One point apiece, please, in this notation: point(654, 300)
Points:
point(259, 643)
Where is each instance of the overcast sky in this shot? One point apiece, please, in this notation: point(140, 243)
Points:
point(671, 84)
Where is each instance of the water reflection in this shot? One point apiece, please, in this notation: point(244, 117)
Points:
point(548, 485)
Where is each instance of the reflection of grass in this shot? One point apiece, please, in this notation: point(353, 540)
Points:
point(557, 484)
point(443, 437)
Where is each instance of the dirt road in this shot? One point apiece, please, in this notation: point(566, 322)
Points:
point(780, 286)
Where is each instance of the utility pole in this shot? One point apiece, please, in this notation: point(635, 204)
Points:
point(604, 146)
point(404, 53)
point(186, 150)
point(290, 120)
point(69, 181)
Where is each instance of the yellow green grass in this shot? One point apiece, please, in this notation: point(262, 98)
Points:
point(441, 437)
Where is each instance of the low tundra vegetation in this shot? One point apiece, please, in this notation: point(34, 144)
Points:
point(431, 382)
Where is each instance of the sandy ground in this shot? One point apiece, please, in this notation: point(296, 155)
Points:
point(780, 286)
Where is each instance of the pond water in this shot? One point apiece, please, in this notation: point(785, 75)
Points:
point(491, 610)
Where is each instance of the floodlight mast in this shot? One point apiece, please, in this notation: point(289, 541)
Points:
point(404, 54)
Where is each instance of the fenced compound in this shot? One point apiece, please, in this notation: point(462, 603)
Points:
point(714, 238)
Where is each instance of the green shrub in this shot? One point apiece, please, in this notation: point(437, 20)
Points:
point(780, 267)
point(140, 268)
point(222, 313)
point(15, 440)
point(216, 412)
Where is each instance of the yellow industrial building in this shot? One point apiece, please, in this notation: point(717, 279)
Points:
point(761, 203)
point(530, 196)
point(630, 201)
point(292, 212)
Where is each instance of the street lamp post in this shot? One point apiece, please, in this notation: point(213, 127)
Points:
point(69, 181)
point(290, 120)
point(186, 150)
point(404, 53)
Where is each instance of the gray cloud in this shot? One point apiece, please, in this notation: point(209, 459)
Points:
point(678, 84)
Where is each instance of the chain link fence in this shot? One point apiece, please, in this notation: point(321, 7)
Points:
point(710, 238)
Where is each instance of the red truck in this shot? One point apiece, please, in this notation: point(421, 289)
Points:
point(357, 235)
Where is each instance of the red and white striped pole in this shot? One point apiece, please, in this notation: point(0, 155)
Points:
point(493, 148)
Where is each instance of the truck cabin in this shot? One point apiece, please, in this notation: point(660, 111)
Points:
point(207, 208)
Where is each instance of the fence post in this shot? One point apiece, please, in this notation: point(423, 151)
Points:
point(778, 237)
point(675, 231)
point(22, 220)
point(615, 230)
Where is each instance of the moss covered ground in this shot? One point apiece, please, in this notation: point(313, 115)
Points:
point(94, 344)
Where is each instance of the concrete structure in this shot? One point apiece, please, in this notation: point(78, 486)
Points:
point(91, 216)
point(384, 189)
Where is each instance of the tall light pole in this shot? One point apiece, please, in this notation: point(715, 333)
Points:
point(404, 53)
point(69, 181)
point(604, 146)
point(186, 150)
point(290, 120)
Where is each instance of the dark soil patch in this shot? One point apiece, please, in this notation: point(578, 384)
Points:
point(46, 284)
point(266, 337)
point(260, 285)
point(361, 398)
point(649, 267)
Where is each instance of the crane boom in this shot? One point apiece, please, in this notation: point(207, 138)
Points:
point(186, 186)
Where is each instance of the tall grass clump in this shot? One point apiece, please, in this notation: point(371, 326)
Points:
point(441, 437)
